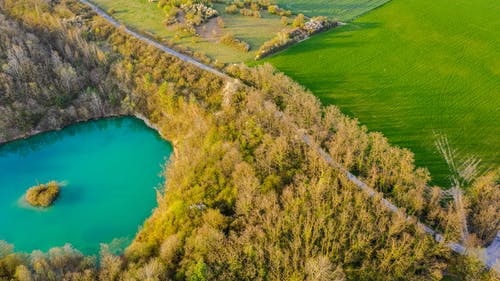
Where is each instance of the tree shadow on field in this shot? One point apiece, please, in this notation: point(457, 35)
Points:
point(120, 11)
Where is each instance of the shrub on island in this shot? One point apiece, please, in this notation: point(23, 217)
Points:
point(43, 195)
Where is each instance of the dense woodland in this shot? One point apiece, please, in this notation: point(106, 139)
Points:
point(53, 80)
point(246, 198)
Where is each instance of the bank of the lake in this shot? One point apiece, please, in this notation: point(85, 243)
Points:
point(110, 168)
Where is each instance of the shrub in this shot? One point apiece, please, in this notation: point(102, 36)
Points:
point(281, 41)
point(239, 4)
point(170, 249)
point(43, 195)
point(229, 40)
point(246, 12)
point(299, 21)
point(186, 29)
point(272, 9)
point(275, 10)
point(204, 11)
point(254, 6)
point(220, 22)
point(171, 15)
point(289, 36)
point(284, 21)
point(318, 24)
point(194, 14)
point(231, 9)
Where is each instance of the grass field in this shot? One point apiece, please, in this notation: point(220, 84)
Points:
point(144, 16)
point(253, 31)
point(412, 68)
point(343, 10)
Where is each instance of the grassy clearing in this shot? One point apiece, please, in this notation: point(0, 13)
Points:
point(343, 10)
point(410, 69)
point(253, 31)
point(147, 17)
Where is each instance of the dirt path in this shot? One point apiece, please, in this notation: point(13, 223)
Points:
point(154, 43)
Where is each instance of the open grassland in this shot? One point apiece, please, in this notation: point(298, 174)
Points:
point(144, 16)
point(251, 30)
point(411, 69)
point(343, 10)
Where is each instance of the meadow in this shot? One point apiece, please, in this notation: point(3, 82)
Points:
point(413, 69)
point(146, 17)
point(343, 10)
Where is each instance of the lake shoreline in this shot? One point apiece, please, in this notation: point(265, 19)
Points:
point(125, 155)
point(139, 116)
point(33, 133)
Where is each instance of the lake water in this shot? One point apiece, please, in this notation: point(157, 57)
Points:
point(110, 169)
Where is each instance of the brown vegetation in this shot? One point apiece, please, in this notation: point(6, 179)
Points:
point(300, 31)
point(52, 81)
point(252, 8)
point(43, 195)
point(229, 40)
point(231, 9)
point(189, 14)
point(484, 206)
point(299, 21)
point(274, 9)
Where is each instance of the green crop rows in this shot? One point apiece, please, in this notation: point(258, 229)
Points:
point(411, 69)
point(340, 9)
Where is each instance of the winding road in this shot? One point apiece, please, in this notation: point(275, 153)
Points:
point(490, 256)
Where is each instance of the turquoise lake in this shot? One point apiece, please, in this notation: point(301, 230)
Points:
point(110, 169)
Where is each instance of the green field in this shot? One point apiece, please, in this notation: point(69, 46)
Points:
point(144, 16)
point(340, 9)
point(412, 68)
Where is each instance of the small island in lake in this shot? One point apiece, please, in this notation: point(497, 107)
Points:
point(43, 195)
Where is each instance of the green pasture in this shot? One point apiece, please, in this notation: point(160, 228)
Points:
point(144, 16)
point(411, 69)
point(343, 10)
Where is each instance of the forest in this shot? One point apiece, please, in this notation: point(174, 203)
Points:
point(246, 198)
